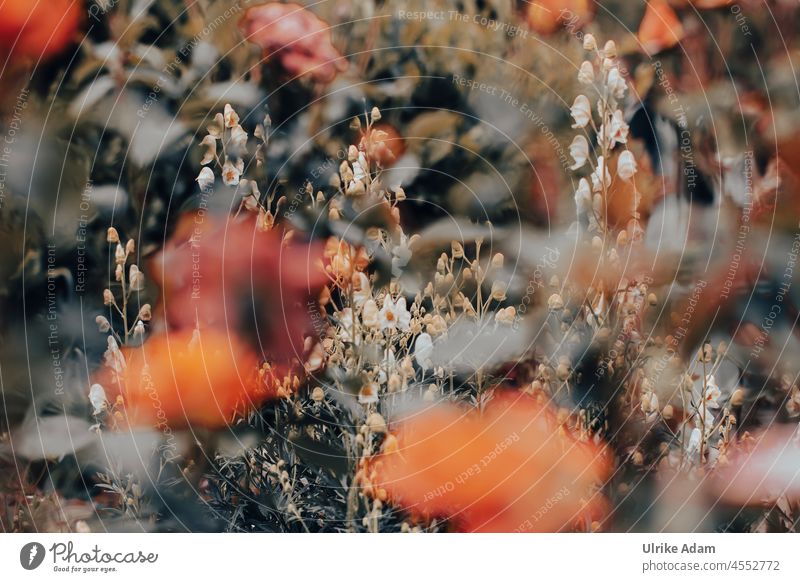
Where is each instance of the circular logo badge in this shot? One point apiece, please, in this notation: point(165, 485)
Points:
point(31, 555)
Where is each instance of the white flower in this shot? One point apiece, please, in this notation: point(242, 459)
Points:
point(369, 393)
point(136, 278)
point(423, 349)
point(205, 178)
point(230, 116)
point(216, 126)
point(232, 172)
point(97, 397)
point(589, 43)
point(581, 112)
point(114, 358)
point(369, 314)
point(102, 324)
point(360, 168)
point(316, 359)
point(361, 289)
point(619, 129)
point(579, 150)
point(626, 165)
point(389, 363)
point(586, 73)
point(345, 327)
point(239, 137)
point(712, 392)
point(583, 196)
point(506, 316)
point(394, 314)
point(616, 83)
point(599, 183)
point(210, 143)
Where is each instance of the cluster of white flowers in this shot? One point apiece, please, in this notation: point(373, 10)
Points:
point(226, 131)
point(602, 74)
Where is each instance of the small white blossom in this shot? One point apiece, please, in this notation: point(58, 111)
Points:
point(586, 73)
point(205, 178)
point(601, 178)
point(230, 116)
point(231, 173)
point(618, 129)
point(114, 358)
point(361, 289)
point(210, 143)
point(423, 349)
point(360, 168)
point(616, 83)
point(583, 196)
point(579, 150)
point(589, 43)
point(394, 315)
point(370, 314)
point(712, 392)
point(369, 393)
point(97, 397)
point(239, 137)
point(581, 112)
point(135, 278)
point(626, 165)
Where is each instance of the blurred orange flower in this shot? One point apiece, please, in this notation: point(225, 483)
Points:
point(188, 379)
point(702, 4)
point(545, 16)
point(235, 276)
point(660, 28)
point(38, 28)
point(299, 39)
point(510, 469)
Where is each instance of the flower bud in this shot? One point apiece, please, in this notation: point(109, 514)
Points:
point(498, 291)
point(555, 302)
point(112, 236)
point(497, 261)
point(376, 423)
point(102, 324)
point(589, 43)
point(145, 312)
point(108, 297)
point(136, 278)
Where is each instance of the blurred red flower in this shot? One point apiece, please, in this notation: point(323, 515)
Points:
point(188, 379)
point(299, 39)
point(38, 28)
point(234, 276)
point(510, 469)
